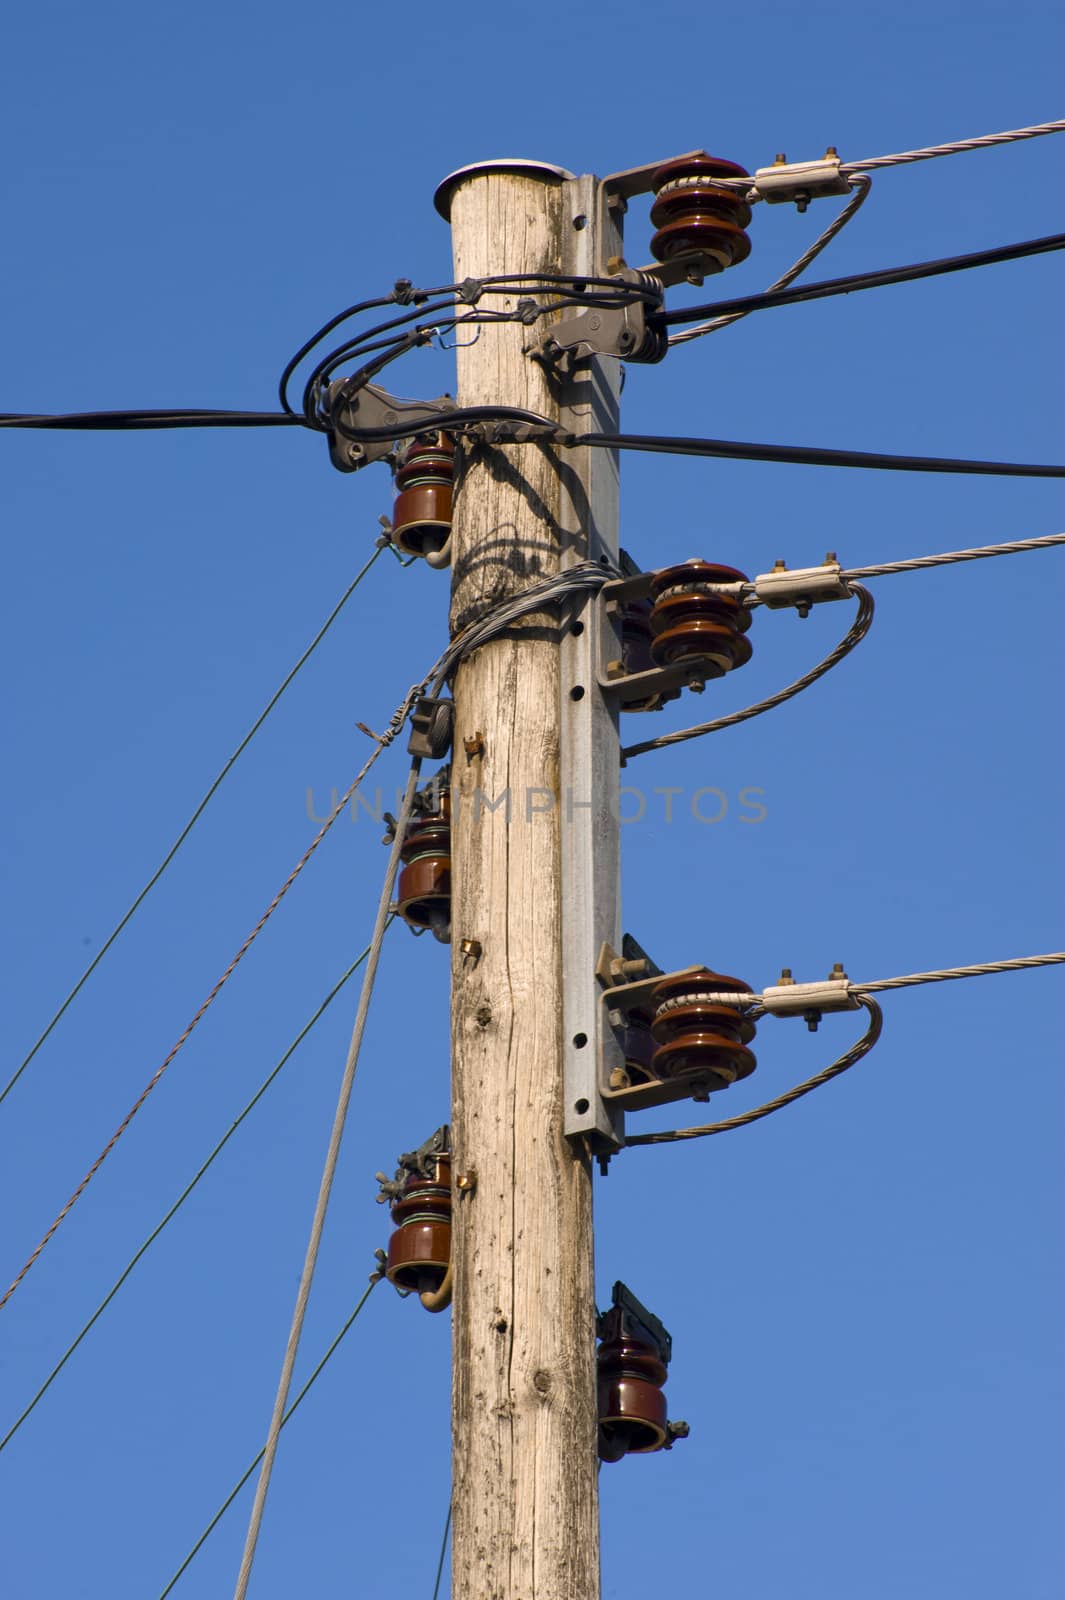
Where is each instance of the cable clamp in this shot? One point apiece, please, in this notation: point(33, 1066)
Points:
point(361, 415)
point(809, 1000)
point(800, 181)
point(801, 587)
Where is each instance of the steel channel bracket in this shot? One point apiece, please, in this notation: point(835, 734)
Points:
point(590, 775)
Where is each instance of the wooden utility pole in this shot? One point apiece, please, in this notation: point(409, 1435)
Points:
point(525, 1492)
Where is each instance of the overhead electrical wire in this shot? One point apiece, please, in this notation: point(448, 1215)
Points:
point(383, 741)
point(325, 1187)
point(861, 186)
point(133, 420)
point(443, 1552)
point(948, 557)
point(180, 1201)
point(857, 631)
point(886, 276)
point(848, 1059)
point(375, 1278)
point(983, 141)
point(193, 819)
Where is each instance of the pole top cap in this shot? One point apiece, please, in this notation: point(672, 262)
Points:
point(478, 169)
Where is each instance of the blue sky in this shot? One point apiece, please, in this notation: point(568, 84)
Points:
point(864, 1291)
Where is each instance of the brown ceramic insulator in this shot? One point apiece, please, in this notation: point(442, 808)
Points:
point(694, 1034)
point(632, 1407)
point(423, 893)
point(420, 1247)
point(693, 213)
point(421, 516)
point(689, 619)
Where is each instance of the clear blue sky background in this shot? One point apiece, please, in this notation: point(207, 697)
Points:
point(864, 1292)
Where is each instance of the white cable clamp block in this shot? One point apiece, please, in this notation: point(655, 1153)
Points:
point(801, 181)
point(800, 586)
point(797, 999)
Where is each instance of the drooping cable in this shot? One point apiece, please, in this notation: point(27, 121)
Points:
point(383, 741)
point(325, 1187)
point(237, 1487)
point(841, 1064)
point(861, 186)
point(828, 287)
point(192, 821)
point(180, 1201)
point(863, 621)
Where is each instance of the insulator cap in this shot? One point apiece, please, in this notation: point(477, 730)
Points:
point(692, 213)
point(421, 516)
point(688, 618)
point(695, 1034)
point(423, 893)
point(631, 1369)
point(420, 1247)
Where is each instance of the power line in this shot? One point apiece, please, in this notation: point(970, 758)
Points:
point(443, 1552)
point(977, 553)
point(745, 304)
point(383, 741)
point(750, 1000)
point(807, 455)
point(126, 421)
point(180, 1201)
point(863, 621)
point(841, 1064)
point(983, 142)
point(325, 1187)
point(193, 819)
point(237, 1487)
point(861, 186)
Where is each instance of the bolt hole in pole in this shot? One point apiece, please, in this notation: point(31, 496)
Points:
point(577, 692)
point(580, 1106)
point(580, 1040)
point(577, 628)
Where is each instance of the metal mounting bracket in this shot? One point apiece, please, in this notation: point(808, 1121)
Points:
point(692, 673)
point(368, 408)
point(617, 188)
point(621, 995)
point(621, 331)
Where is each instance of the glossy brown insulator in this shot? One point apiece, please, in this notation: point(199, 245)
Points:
point(688, 618)
point(697, 1035)
point(693, 213)
point(632, 1406)
point(636, 654)
point(421, 516)
point(423, 893)
point(420, 1247)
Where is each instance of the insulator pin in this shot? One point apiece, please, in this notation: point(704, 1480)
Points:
point(690, 618)
point(695, 1035)
point(421, 516)
point(694, 214)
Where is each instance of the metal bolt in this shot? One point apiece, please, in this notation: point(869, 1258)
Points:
point(785, 975)
point(831, 558)
point(473, 746)
point(780, 565)
point(466, 1182)
point(471, 949)
point(831, 153)
point(780, 160)
point(594, 321)
point(390, 417)
point(355, 452)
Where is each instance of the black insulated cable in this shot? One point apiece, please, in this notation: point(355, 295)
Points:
point(862, 280)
